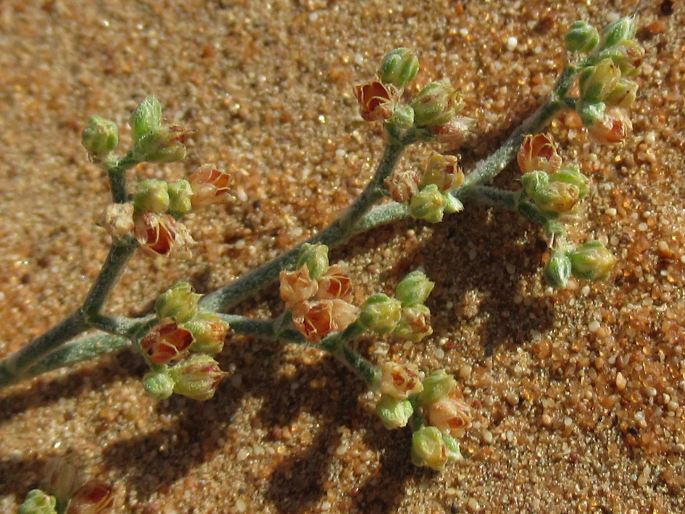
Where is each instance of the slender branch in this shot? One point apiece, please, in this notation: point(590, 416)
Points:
point(116, 172)
point(494, 197)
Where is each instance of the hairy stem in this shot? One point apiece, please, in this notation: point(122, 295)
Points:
point(116, 172)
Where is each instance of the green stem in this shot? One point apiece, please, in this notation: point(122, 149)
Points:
point(336, 345)
point(341, 229)
point(116, 172)
point(494, 197)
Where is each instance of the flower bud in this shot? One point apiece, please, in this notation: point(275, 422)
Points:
point(158, 384)
point(119, 220)
point(37, 502)
point(394, 413)
point(443, 171)
point(155, 233)
point(450, 415)
point(452, 446)
point(428, 448)
point(627, 56)
point(401, 120)
point(591, 113)
point(533, 181)
point(591, 261)
point(179, 303)
point(436, 104)
point(100, 137)
point(197, 377)
point(613, 127)
point(558, 270)
point(315, 257)
point(380, 313)
point(596, 82)
point(152, 195)
point(375, 100)
point(570, 174)
point(297, 286)
point(399, 67)
point(414, 324)
point(93, 497)
point(623, 94)
point(209, 186)
point(403, 185)
point(166, 342)
point(556, 197)
point(437, 385)
point(180, 197)
point(428, 204)
point(334, 284)
point(399, 381)
point(618, 31)
point(166, 144)
point(209, 332)
point(454, 132)
point(581, 37)
point(146, 118)
point(62, 478)
point(316, 320)
point(538, 153)
point(414, 288)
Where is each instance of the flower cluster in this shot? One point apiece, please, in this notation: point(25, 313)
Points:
point(440, 415)
point(318, 296)
point(606, 91)
point(180, 347)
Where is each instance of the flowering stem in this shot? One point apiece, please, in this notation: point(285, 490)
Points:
point(336, 345)
point(116, 171)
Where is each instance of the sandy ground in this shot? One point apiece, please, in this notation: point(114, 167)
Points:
point(580, 395)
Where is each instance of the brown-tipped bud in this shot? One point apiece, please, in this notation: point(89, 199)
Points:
point(436, 104)
point(403, 185)
point(556, 197)
point(316, 320)
point(93, 497)
point(376, 100)
point(623, 95)
point(597, 81)
point(334, 284)
point(443, 171)
point(538, 153)
point(450, 415)
point(166, 144)
point(209, 186)
point(399, 381)
point(613, 127)
point(166, 342)
point(209, 332)
point(155, 233)
point(119, 220)
point(297, 286)
point(455, 132)
point(414, 323)
point(197, 377)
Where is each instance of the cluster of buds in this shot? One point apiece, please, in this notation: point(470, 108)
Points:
point(433, 110)
point(180, 347)
point(606, 91)
point(318, 296)
point(404, 316)
point(428, 194)
point(68, 493)
point(441, 416)
point(100, 138)
point(588, 261)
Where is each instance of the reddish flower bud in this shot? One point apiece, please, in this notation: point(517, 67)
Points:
point(209, 186)
point(403, 185)
point(399, 381)
point(375, 100)
point(315, 320)
point(297, 286)
point(454, 132)
point(538, 153)
point(166, 342)
point(155, 233)
point(613, 127)
point(443, 171)
point(93, 497)
point(450, 414)
point(334, 284)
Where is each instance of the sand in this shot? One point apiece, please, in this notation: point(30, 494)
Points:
point(579, 395)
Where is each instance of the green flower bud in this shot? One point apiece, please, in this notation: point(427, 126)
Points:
point(414, 324)
point(315, 256)
point(151, 195)
point(619, 31)
point(414, 288)
point(100, 137)
point(401, 120)
point(443, 171)
point(380, 313)
point(428, 204)
point(37, 502)
point(209, 332)
point(399, 67)
point(581, 37)
point(533, 181)
point(436, 104)
point(570, 174)
point(437, 385)
point(453, 450)
point(158, 384)
point(623, 94)
point(146, 119)
point(591, 113)
point(556, 197)
point(627, 56)
point(596, 82)
point(428, 448)
point(197, 377)
point(163, 145)
point(558, 270)
point(591, 261)
point(394, 413)
point(179, 303)
point(179, 197)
